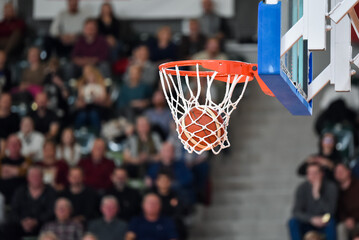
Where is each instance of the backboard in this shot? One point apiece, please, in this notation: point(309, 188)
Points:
point(288, 32)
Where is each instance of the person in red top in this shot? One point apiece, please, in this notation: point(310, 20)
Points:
point(97, 168)
point(348, 202)
point(55, 170)
point(11, 29)
point(90, 49)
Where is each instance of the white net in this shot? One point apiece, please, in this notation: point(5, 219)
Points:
point(201, 121)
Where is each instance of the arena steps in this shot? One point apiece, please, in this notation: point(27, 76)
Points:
point(254, 184)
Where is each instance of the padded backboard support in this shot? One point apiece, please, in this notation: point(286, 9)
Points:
point(269, 61)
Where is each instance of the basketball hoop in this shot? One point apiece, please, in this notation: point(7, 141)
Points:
point(202, 124)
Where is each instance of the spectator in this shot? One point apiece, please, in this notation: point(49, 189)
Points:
point(212, 51)
point(327, 157)
point(159, 115)
point(97, 168)
point(212, 25)
point(11, 29)
point(193, 43)
point(315, 198)
point(129, 199)
point(46, 121)
point(55, 89)
point(109, 27)
point(5, 74)
point(90, 49)
point(140, 57)
point(162, 49)
point(63, 226)
point(13, 168)
point(9, 121)
point(141, 149)
point(66, 28)
point(134, 97)
point(33, 76)
point(108, 227)
point(182, 176)
point(31, 207)
point(84, 200)
point(348, 203)
point(31, 140)
point(48, 236)
point(170, 202)
point(92, 99)
point(55, 170)
point(337, 113)
point(89, 236)
point(68, 149)
point(151, 225)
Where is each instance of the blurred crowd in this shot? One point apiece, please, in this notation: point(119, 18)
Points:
point(326, 203)
point(88, 147)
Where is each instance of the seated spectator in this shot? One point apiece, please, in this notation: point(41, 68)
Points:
point(9, 121)
point(33, 76)
point(109, 27)
point(97, 168)
point(337, 112)
point(314, 198)
point(84, 200)
point(48, 236)
point(327, 157)
point(151, 225)
point(11, 29)
point(31, 207)
point(108, 227)
point(200, 167)
point(142, 148)
point(46, 121)
point(65, 29)
point(212, 25)
point(129, 199)
point(5, 74)
point(89, 236)
point(55, 89)
point(348, 203)
point(182, 176)
point(159, 115)
point(194, 42)
point(13, 168)
point(170, 202)
point(141, 57)
point(92, 99)
point(212, 51)
point(162, 49)
point(63, 226)
point(134, 97)
point(90, 49)
point(68, 149)
point(31, 140)
point(55, 170)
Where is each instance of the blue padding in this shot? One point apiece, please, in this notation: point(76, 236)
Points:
point(269, 69)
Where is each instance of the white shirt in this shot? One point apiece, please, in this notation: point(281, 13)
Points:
point(70, 155)
point(32, 144)
point(67, 23)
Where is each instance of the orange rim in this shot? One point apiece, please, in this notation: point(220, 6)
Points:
point(224, 68)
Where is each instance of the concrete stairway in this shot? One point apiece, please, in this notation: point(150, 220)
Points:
point(254, 185)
